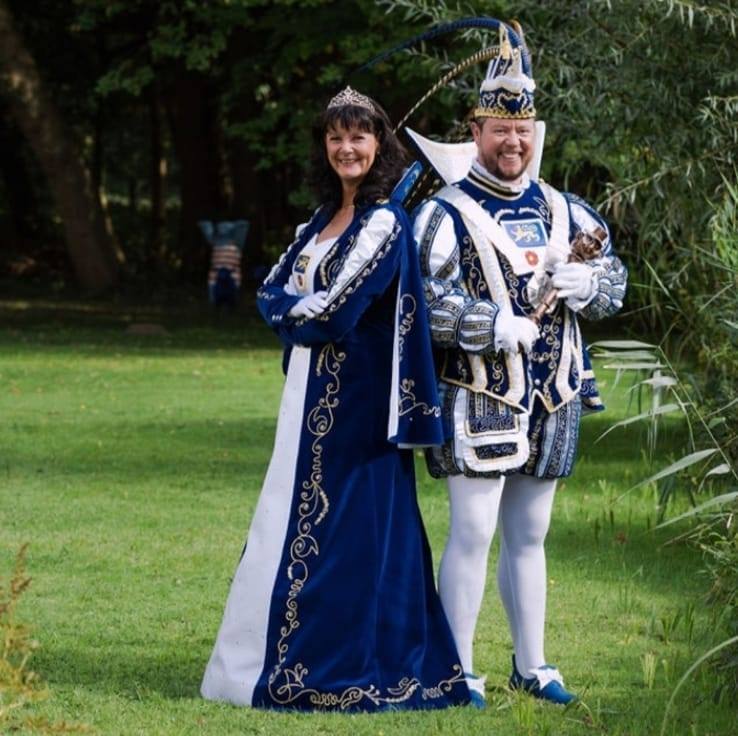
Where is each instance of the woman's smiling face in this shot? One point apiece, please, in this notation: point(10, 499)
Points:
point(351, 153)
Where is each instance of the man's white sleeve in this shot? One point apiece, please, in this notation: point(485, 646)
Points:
point(456, 319)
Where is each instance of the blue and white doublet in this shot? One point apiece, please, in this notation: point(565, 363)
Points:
point(485, 246)
point(333, 605)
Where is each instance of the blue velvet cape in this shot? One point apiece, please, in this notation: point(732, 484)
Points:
point(414, 393)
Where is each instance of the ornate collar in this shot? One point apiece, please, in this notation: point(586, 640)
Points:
point(480, 177)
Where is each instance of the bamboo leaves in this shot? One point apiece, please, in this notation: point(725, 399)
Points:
point(623, 345)
point(717, 501)
point(674, 468)
point(650, 414)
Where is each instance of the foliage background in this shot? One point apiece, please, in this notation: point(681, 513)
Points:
point(190, 109)
point(193, 109)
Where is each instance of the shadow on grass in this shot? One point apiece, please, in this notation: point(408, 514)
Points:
point(46, 325)
point(623, 553)
point(156, 450)
point(128, 672)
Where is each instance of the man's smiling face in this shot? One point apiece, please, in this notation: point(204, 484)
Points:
point(504, 147)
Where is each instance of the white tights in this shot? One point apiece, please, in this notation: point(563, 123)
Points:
point(523, 505)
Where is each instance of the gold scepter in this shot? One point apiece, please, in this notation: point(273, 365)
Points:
point(585, 247)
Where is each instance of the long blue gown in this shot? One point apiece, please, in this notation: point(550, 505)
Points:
point(333, 605)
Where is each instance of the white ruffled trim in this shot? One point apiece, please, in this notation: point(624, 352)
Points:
point(513, 78)
point(479, 169)
point(512, 84)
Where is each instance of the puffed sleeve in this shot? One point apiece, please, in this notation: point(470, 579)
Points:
point(367, 269)
point(455, 318)
point(609, 273)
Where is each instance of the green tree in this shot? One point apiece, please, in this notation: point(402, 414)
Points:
point(90, 243)
point(239, 83)
point(640, 101)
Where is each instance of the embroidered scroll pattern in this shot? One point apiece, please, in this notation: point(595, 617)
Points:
point(408, 401)
point(287, 684)
point(408, 307)
point(475, 283)
point(311, 511)
point(330, 264)
point(339, 299)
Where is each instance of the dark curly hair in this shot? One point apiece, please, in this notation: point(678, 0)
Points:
point(388, 164)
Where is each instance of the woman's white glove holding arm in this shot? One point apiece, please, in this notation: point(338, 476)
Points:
point(310, 306)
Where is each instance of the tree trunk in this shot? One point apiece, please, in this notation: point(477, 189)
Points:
point(90, 245)
point(157, 174)
point(194, 124)
point(18, 187)
point(257, 196)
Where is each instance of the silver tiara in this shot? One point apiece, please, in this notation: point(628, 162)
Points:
point(350, 96)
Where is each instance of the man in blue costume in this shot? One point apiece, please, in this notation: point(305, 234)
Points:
point(512, 390)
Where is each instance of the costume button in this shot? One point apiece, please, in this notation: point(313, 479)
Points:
point(537, 381)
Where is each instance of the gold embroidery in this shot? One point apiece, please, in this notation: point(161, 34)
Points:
point(444, 686)
point(328, 259)
point(408, 401)
point(406, 321)
point(352, 285)
point(319, 423)
point(287, 684)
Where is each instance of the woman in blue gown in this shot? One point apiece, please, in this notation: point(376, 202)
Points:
point(333, 605)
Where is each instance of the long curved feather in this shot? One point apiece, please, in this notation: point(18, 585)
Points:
point(483, 55)
point(443, 29)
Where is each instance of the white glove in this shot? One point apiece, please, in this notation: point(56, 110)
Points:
point(289, 287)
point(310, 306)
point(574, 280)
point(511, 332)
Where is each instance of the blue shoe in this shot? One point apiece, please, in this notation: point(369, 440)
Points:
point(546, 684)
point(476, 690)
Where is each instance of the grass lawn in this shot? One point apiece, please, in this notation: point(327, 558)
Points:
point(132, 463)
